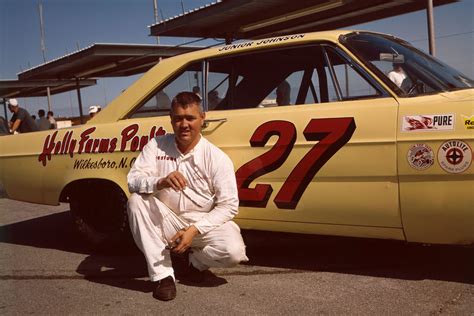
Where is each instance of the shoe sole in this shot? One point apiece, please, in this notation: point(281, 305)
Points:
point(165, 298)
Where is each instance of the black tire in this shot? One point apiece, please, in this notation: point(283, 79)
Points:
point(99, 212)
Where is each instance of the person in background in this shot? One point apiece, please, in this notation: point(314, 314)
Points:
point(52, 121)
point(197, 91)
point(21, 121)
point(283, 93)
point(43, 123)
point(4, 129)
point(397, 75)
point(33, 117)
point(93, 110)
point(213, 99)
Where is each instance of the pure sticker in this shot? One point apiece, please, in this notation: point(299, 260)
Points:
point(433, 122)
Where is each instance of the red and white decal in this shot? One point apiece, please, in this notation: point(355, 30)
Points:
point(420, 156)
point(331, 134)
point(455, 156)
point(435, 122)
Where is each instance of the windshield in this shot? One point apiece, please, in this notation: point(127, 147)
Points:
point(406, 69)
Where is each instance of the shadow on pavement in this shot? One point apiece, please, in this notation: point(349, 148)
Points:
point(370, 257)
point(380, 258)
point(123, 271)
point(127, 271)
point(53, 231)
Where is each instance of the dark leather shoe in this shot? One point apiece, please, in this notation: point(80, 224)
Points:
point(165, 290)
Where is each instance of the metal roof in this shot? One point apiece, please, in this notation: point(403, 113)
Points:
point(247, 19)
point(37, 88)
point(104, 60)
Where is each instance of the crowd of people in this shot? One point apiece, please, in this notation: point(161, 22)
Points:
point(22, 122)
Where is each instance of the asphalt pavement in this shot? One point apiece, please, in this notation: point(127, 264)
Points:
point(45, 269)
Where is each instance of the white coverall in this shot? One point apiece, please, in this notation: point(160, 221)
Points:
point(209, 202)
point(397, 77)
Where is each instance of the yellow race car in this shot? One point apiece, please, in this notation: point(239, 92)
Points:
point(336, 133)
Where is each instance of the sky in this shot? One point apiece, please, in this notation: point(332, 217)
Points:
point(75, 24)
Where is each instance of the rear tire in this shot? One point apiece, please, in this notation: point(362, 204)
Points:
point(99, 213)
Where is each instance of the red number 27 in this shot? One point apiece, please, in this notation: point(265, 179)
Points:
point(332, 134)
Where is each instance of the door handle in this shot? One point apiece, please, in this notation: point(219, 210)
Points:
point(209, 121)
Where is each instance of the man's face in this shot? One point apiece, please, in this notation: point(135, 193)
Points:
point(187, 124)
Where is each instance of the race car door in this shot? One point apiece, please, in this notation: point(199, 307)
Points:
point(312, 138)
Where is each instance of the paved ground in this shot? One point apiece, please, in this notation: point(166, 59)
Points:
point(44, 269)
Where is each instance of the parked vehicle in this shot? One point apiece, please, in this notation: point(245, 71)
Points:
point(324, 140)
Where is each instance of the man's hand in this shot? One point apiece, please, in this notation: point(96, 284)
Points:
point(174, 180)
point(16, 125)
point(185, 237)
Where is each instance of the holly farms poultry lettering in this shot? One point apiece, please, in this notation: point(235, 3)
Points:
point(86, 143)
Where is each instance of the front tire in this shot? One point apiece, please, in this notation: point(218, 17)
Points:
point(99, 213)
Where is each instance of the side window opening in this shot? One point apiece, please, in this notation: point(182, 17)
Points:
point(159, 102)
point(306, 74)
point(271, 78)
point(346, 83)
point(218, 85)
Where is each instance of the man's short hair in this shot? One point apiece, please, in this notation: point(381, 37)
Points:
point(41, 113)
point(185, 99)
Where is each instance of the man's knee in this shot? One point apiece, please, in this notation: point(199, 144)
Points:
point(234, 254)
point(136, 203)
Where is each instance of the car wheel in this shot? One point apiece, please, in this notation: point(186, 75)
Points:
point(99, 214)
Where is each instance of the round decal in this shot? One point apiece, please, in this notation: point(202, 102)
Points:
point(420, 156)
point(454, 156)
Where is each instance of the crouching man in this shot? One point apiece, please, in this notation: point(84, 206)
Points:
point(184, 197)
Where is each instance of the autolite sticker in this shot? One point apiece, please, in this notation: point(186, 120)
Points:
point(455, 156)
point(420, 156)
point(437, 122)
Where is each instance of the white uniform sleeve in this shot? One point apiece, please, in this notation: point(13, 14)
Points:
point(392, 76)
point(143, 176)
point(227, 200)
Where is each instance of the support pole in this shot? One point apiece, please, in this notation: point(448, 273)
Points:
point(48, 92)
point(431, 31)
point(79, 100)
point(346, 73)
point(155, 14)
point(5, 108)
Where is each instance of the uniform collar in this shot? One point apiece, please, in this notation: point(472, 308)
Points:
point(193, 151)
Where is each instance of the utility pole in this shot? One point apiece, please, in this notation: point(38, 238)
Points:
point(43, 46)
point(431, 36)
point(155, 14)
point(43, 49)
